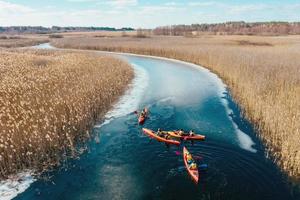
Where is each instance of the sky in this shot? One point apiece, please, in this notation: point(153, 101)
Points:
point(142, 13)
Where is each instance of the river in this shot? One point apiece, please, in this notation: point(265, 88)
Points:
point(126, 164)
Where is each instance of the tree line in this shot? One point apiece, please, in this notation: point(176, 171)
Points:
point(232, 28)
point(55, 29)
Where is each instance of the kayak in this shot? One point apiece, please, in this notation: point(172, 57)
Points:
point(142, 119)
point(193, 172)
point(194, 137)
point(152, 134)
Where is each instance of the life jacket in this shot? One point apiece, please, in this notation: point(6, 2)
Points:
point(188, 157)
point(193, 166)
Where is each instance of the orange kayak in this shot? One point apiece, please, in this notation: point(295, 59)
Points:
point(194, 137)
point(194, 173)
point(142, 119)
point(152, 134)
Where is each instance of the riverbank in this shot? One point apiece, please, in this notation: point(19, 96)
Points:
point(49, 102)
point(262, 78)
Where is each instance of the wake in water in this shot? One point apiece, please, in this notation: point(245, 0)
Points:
point(130, 101)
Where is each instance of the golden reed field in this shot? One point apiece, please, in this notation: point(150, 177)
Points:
point(262, 73)
point(48, 103)
point(9, 41)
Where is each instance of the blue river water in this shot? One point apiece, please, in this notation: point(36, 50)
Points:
point(126, 164)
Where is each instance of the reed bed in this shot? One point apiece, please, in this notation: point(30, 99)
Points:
point(20, 41)
point(98, 33)
point(49, 102)
point(262, 73)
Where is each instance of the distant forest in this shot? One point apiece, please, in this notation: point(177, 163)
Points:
point(56, 29)
point(232, 28)
point(228, 28)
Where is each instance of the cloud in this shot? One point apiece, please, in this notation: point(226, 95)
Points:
point(112, 3)
point(154, 10)
point(82, 1)
point(134, 13)
point(123, 2)
point(292, 6)
point(234, 9)
point(248, 8)
point(172, 3)
point(7, 8)
point(203, 4)
point(117, 3)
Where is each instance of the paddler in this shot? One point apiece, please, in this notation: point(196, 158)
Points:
point(193, 166)
point(181, 132)
point(191, 133)
point(166, 136)
point(191, 162)
point(159, 132)
point(184, 133)
point(189, 158)
point(143, 113)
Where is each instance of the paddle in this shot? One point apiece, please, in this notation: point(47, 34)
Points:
point(203, 167)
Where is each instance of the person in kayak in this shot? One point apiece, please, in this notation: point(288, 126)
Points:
point(184, 133)
point(181, 132)
point(193, 166)
point(192, 133)
point(189, 158)
point(191, 162)
point(159, 132)
point(143, 113)
point(166, 136)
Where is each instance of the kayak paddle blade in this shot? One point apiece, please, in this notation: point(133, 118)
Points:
point(203, 167)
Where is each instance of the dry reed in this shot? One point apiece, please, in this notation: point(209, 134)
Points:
point(263, 74)
point(48, 103)
point(20, 41)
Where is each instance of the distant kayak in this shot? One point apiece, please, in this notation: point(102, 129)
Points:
point(190, 165)
point(194, 137)
point(152, 134)
point(142, 118)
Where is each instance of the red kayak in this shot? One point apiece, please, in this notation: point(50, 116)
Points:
point(142, 118)
point(190, 165)
point(152, 134)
